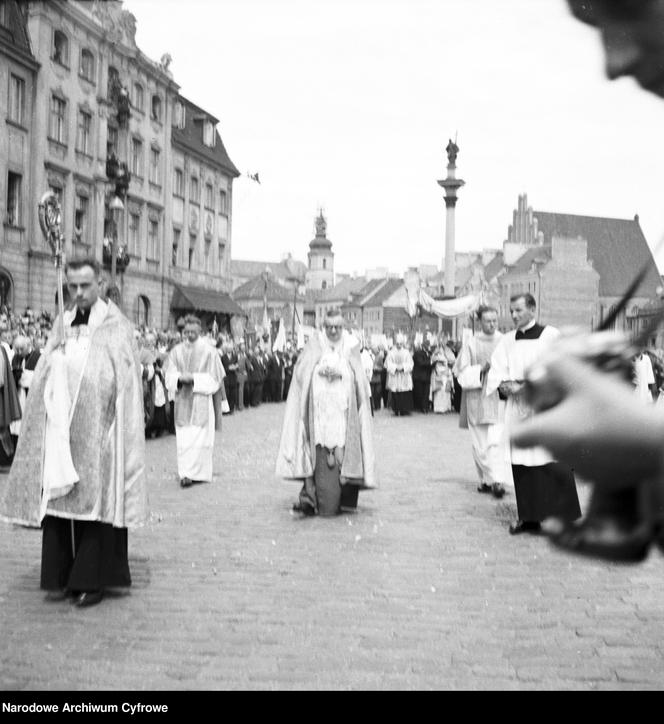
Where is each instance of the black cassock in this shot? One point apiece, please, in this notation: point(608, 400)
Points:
point(544, 491)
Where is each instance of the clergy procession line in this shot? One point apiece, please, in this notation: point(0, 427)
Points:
point(78, 469)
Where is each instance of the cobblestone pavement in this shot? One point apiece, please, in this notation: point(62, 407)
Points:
point(422, 588)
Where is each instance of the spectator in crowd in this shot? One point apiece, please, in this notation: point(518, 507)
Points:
point(441, 386)
point(229, 360)
point(290, 358)
point(23, 367)
point(421, 376)
point(399, 365)
point(275, 375)
point(377, 376)
point(241, 376)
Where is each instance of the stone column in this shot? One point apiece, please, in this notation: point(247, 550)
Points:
point(450, 184)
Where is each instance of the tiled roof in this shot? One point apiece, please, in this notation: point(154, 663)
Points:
point(385, 293)
point(617, 248)
point(494, 267)
point(365, 295)
point(280, 269)
point(340, 292)
point(191, 136)
point(531, 255)
point(255, 289)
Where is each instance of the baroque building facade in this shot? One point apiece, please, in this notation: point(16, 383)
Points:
point(106, 132)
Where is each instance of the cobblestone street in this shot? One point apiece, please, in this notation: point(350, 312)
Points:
point(422, 588)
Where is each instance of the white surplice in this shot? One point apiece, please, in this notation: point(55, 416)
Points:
point(510, 361)
point(60, 395)
point(485, 412)
point(195, 441)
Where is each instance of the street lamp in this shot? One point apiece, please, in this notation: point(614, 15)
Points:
point(116, 206)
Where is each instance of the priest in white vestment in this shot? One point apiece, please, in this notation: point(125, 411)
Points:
point(543, 487)
point(399, 364)
point(326, 440)
point(79, 466)
point(194, 375)
point(483, 412)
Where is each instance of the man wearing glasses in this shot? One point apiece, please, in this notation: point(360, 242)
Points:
point(326, 440)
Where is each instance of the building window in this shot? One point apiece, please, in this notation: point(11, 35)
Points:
point(81, 218)
point(208, 134)
point(83, 132)
point(86, 67)
point(60, 48)
point(139, 97)
point(58, 129)
point(155, 176)
point(323, 285)
point(178, 183)
point(194, 193)
point(209, 197)
point(134, 229)
point(180, 115)
point(155, 109)
point(192, 249)
point(16, 99)
point(324, 263)
point(153, 239)
point(137, 157)
point(113, 84)
point(223, 203)
point(112, 141)
point(14, 199)
point(176, 246)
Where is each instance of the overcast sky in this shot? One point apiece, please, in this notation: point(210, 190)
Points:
point(348, 105)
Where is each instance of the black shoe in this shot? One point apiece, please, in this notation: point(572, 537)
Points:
point(614, 528)
point(185, 483)
point(88, 598)
point(603, 537)
point(525, 526)
point(497, 490)
point(484, 488)
point(304, 508)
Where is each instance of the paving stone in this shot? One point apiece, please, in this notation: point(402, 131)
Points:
point(421, 588)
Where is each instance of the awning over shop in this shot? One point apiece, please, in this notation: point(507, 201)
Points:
point(194, 299)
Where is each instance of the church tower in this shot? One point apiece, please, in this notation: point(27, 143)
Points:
point(320, 274)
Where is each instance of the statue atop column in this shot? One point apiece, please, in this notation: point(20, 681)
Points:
point(452, 151)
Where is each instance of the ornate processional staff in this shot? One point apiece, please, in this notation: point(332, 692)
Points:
point(50, 218)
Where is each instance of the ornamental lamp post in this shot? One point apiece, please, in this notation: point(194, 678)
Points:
point(116, 206)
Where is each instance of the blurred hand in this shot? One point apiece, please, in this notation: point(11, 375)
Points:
point(510, 387)
point(599, 427)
